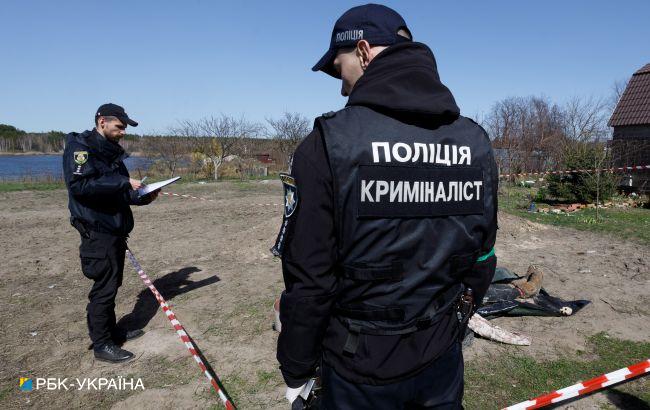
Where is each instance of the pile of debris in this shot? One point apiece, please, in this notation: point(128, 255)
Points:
point(570, 208)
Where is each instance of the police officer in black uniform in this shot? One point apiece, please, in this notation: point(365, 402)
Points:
point(100, 193)
point(389, 227)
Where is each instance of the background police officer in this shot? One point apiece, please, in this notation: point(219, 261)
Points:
point(100, 193)
point(390, 217)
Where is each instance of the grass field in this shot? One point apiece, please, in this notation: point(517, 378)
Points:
point(513, 377)
point(626, 223)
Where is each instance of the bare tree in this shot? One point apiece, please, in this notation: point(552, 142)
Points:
point(288, 131)
point(585, 119)
point(170, 149)
point(525, 132)
point(220, 136)
point(618, 88)
point(500, 124)
point(26, 142)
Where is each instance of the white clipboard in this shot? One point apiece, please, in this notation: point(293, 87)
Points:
point(156, 185)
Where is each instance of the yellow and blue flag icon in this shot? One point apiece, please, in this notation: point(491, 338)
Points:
point(26, 384)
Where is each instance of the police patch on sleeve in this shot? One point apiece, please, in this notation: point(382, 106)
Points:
point(290, 205)
point(80, 157)
point(290, 194)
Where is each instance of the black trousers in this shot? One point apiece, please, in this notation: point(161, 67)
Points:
point(439, 386)
point(102, 260)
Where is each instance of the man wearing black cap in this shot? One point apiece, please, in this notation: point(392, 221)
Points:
point(100, 193)
point(389, 227)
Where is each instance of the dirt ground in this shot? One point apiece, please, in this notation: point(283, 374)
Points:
point(211, 261)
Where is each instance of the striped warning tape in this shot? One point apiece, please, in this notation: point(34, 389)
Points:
point(577, 171)
point(189, 343)
point(209, 200)
point(586, 387)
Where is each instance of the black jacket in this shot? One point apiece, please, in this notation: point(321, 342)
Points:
point(401, 82)
point(99, 191)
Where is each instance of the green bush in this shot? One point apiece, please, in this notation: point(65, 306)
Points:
point(583, 186)
point(541, 195)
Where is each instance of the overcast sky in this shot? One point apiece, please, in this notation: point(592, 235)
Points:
point(170, 60)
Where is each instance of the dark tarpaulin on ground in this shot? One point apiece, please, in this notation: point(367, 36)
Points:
point(503, 299)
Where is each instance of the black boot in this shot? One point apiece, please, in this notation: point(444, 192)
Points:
point(133, 334)
point(120, 335)
point(111, 353)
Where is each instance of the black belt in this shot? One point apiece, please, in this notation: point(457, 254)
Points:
point(85, 228)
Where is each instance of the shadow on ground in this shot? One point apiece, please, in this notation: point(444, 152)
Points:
point(624, 400)
point(169, 286)
point(620, 399)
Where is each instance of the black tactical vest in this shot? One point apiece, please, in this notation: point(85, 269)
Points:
point(412, 209)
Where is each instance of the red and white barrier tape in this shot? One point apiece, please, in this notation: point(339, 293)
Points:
point(583, 388)
point(181, 332)
point(206, 199)
point(577, 171)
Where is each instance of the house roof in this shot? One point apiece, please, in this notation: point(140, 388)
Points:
point(634, 106)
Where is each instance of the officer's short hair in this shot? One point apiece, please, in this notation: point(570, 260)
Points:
point(108, 118)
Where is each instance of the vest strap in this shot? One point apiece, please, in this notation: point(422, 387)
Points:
point(365, 313)
point(394, 271)
point(445, 301)
point(352, 342)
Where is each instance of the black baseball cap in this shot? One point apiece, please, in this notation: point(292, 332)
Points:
point(376, 24)
point(114, 110)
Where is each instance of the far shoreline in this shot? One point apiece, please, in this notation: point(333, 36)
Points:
point(19, 154)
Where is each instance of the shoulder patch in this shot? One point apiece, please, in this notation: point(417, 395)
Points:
point(80, 157)
point(290, 205)
point(329, 114)
point(290, 194)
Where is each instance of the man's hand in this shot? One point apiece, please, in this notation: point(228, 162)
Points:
point(149, 198)
point(135, 184)
point(153, 195)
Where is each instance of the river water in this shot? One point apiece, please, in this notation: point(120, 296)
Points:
point(38, 167)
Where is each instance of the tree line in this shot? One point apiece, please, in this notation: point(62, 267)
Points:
point(534, 134)
point(201, 146)
point(528, 134)
point(13, 139)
